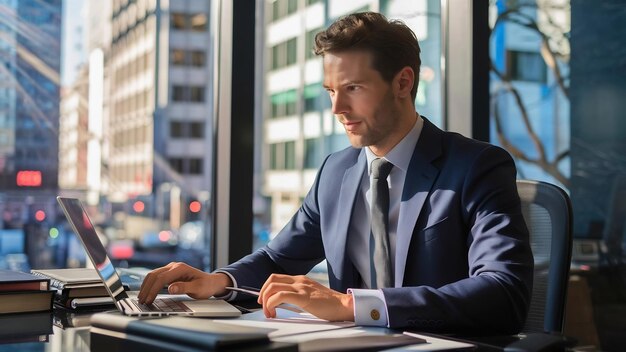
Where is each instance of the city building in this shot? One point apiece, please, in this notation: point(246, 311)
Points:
point(30, 56)
point(159, 111)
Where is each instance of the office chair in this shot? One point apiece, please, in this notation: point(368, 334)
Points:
point(548, 214)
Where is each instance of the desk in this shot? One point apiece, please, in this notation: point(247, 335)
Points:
point(77, 338)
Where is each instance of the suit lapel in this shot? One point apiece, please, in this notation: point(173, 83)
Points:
point(350, 184)
point(420, 178)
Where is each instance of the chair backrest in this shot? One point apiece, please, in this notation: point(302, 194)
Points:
point(548, 213)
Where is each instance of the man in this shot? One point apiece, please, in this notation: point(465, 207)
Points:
point(448, 252)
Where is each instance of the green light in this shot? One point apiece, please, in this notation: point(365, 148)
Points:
point(54, 233)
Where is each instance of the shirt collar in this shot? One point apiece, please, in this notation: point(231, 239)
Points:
point(400, 155)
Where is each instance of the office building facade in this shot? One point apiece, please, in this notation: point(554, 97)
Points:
point(30, 55)
point(158, 106)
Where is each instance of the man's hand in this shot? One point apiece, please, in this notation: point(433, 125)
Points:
point(182, 278)
point(307, 294)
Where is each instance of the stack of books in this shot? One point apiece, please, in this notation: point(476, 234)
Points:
point(79, 288)
point(25, 307)
point(23, 292)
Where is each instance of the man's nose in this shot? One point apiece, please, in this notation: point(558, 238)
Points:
point(340, 104)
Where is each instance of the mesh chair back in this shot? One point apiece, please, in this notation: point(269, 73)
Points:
point(548, 214)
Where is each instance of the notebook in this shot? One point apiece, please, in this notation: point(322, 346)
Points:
point(177, 305)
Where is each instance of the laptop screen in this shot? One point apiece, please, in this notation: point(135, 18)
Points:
point(77, 216)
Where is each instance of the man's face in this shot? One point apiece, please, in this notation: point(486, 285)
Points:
point(362, 101)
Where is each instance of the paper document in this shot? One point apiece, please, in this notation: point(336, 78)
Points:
point(286, 323)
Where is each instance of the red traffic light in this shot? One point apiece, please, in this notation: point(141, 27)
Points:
point(195, 206)
point(138, 206)
point(28, 178)
point(40, 215)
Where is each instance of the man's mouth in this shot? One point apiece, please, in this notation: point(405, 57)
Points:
point(351, 126)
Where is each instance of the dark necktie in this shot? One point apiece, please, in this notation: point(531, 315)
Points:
point(380, 263)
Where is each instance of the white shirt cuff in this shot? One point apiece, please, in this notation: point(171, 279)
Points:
point(370, 307)
point(232, 294)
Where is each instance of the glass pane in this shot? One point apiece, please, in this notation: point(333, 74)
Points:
point(557, 106)
point(178, 21)
point(198, 22)
point(177, 57)
point(198, 58)
point(85, 112)
point(424, 18)
point(295, 144)
point(530, 108)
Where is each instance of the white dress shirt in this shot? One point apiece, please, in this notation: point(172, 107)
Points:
point(369, 305)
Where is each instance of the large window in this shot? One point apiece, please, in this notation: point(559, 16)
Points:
point(284, 54)
point(557, 107)
point(192, 22)
point(297, 127)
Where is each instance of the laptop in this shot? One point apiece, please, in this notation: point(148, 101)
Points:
point(162, 306)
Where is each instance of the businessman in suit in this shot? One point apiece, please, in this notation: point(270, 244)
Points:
point(446, 249)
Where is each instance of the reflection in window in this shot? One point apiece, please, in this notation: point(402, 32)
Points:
point(282, 156)
point(290, 155)
point(198, 22)
point(273, 164)
point(313, 96)
point(176, 129)
point(529, 101)
point(526, 66)
point(198, 58)
point(282, 8)
point(284, 54)
point(195, 166)
point(176, 164)
point(194, 22)
point(284, 104)
point(196, 94)
point(189, 94)
point(177, 57)
point(312, 153)
point(178, 21)
point(310, 42)
point(181, 57)
point(196, 130)
point(178, 93)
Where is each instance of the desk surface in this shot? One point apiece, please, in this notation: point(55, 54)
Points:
point(77, 338)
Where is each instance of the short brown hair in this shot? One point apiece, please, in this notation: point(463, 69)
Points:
point(392, 44)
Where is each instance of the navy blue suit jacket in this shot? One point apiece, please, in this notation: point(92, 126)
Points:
point(467, 265)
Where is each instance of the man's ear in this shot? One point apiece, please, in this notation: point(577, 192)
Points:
point(403, 82)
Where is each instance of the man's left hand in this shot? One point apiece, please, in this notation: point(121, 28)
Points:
point(307, 294)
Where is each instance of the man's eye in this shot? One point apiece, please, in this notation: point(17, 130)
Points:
point(353, 88)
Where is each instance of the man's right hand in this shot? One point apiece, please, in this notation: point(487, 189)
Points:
point(182, 278)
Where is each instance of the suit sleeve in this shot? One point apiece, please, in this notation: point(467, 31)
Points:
point(496, 294)
point(295, 250)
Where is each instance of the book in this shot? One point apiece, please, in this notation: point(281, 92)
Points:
point(26, 301)
point(24, 327)
point(182, 332)
point(103, 340)
point(70, 278)
point(84, 282)
point(19, 281)
point(91, 303)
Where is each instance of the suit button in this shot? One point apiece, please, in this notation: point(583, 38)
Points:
point(375, 314)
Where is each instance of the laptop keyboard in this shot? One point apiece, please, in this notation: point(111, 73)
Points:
point(162, 305)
